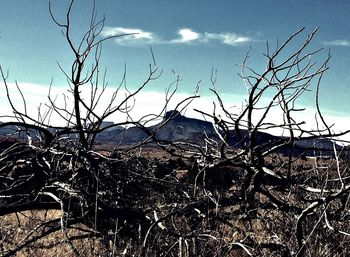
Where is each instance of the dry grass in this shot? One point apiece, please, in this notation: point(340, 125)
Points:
point(15, 228)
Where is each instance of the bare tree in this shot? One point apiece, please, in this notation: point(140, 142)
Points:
point(275, 183)
point(56, 167)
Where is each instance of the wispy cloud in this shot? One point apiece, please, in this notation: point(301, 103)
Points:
point(191, 36)
point(185, 36)
point(338, 42)
point(135, 35)
point(228, 38)
point(145, 104)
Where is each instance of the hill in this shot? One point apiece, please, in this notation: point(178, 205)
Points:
point(177, 127)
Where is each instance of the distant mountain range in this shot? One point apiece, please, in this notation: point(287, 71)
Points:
point(181, 128)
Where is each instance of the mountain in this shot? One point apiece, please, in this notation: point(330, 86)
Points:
point(109, 134)
point(176, 127)
point(181, 128)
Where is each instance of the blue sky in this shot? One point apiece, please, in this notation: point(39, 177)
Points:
point(190, 37)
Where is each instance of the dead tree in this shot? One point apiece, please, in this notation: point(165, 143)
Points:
point(53, 167)
point(274, 183)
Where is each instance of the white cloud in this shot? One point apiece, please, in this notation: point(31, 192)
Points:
point(338, 42)
point(189, 36)
point(145, 104)
point(228, 38)
point(135, 35)
point(185, 36)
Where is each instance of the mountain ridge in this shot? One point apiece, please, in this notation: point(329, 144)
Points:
point(177, 127)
